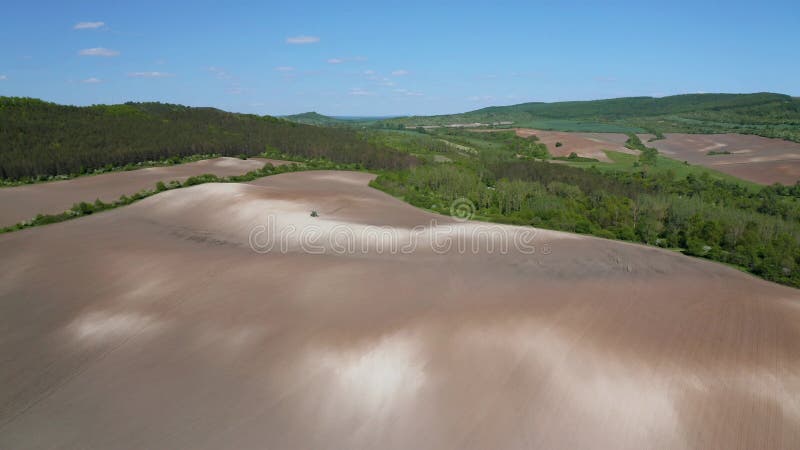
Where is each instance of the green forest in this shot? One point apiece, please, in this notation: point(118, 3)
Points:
point(40, 139)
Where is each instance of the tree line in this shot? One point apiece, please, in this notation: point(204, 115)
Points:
point(41, 139)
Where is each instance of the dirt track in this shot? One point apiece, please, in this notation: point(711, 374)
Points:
point(754, 158)
point(25, 202)
point(156, 326)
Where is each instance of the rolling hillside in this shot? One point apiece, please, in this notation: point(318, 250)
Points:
point(321, 120)
point(764, 114)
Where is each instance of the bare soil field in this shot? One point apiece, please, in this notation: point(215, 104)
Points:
point(588, 145)
point(25, 202)
point(754, 158)
point(157, 325)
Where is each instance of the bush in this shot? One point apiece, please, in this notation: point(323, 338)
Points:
point(200, 179)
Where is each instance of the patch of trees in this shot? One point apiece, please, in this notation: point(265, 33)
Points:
point(406, 141)
point(41, 139)
point(758, 230)
point(573, 157)
point(647, 155)
point(498, 143)
point(527, 147)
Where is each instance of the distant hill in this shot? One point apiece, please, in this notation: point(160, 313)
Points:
point(765, 114)
point(321, 120)
point(314, 118)
point(38, 138)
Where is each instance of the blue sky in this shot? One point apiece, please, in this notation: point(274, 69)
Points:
point(382, 58)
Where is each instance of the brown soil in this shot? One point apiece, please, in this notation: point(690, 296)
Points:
point(25, 202)
point(588, 145)
point(156, 326)
point(754, 158)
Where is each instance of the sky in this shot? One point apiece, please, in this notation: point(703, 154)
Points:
point(379, 58)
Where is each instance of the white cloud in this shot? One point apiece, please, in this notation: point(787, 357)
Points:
point(98, 51)
point(284, 68)
point(149, 75)
point(400, 72)
point(3, 77)
point(88, 25)
point(302, 40)
point(220, 73)
point(408, 93)
point(359, 91)
point(605, 79)
point(379, 80)
point(348, 59)
point(92, 80)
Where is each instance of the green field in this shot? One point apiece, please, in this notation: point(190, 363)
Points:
point(581, 126)
point(457, 144)
point(625, 162)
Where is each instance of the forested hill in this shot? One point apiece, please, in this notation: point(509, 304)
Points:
point(38, 138)
point(314, 118)
point(766, 114)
